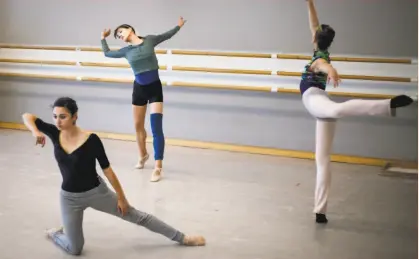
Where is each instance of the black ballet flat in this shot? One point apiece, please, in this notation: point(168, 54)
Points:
point(321, 218)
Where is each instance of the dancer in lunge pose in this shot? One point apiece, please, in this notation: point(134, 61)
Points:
point(316, 74)
point(147, 87)
point(76, 152)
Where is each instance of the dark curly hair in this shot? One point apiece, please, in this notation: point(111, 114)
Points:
point(324, 37)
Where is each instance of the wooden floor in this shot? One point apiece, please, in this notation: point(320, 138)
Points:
point(247, 206)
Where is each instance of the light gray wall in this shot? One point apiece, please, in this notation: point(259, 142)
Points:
point(236, 117)
point(370, 27)
point(247, 118)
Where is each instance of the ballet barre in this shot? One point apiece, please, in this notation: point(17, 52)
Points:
point(205, 69)
point(192, 84)
point(291, 56)
point(65, 48)
point(223, 53)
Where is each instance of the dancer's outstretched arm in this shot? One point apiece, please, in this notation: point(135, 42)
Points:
point(313, 19)
point(157, 39)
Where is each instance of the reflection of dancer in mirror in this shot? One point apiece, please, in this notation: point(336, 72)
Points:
point(147, 87)
point(316, 74)
point(76, 152)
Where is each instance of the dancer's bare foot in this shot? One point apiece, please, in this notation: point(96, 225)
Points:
point(193, 241)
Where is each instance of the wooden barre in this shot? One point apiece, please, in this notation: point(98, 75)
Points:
point(68, 63)
point(222, 70)
point(222, 53)
point(205, 69)
point(351, 59)
point(357, 77)
point(96, 64)
point(290, 56)
point(196, 85)
point(277, 90)
point(224, 87)
point(65, 48)
point(41, 62)
point(38, 76)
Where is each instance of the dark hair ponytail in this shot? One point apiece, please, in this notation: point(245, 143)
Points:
point(324, 37)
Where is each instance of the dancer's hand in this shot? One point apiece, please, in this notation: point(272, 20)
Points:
point(181, 22)
point(40, 138)
point(334, 76)
point(106, 33)
point(123, 206)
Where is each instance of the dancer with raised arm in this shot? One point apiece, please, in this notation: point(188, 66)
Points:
point(147, 87)
point(76, 152)
point(316, 74)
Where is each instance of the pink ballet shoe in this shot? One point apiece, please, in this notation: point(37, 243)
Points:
point(142, 161)
point(156, 175)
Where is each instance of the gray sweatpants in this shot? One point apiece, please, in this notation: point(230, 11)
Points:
point(102, 199)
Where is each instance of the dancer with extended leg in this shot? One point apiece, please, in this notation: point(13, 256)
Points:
point(76, 152)
point(147, 87)
point(316, 74)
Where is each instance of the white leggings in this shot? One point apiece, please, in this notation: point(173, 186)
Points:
point(326, 111)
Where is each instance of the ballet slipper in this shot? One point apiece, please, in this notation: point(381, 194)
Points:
point(321, 218)
point(156, 175)
point(193, 241)
point(141, 162)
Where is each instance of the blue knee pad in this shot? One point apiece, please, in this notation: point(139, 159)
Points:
point(156, 120)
